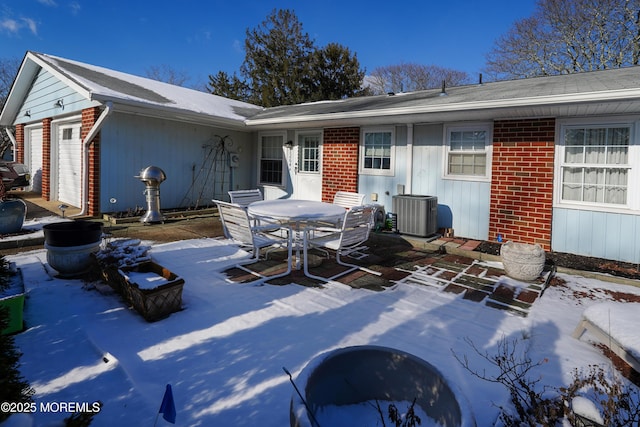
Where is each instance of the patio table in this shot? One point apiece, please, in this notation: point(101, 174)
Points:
point(297, 214)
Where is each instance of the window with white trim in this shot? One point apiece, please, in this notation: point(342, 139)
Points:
point(271, 159)
point(468, 151)
point(595, 164)
point(377, 151)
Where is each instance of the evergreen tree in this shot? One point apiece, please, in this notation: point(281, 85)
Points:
point(229, 87)
point(336, 73)
point(278, 60)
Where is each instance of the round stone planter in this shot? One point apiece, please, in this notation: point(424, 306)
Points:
point(522, 261)
point(70, 244)
point(71, 261)
point(354, 375)
point(12, 215)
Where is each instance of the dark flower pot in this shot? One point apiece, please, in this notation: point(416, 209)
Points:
point(72, 233)
point(12, 215)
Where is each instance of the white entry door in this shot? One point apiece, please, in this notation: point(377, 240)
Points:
point(33, 158)
point(69, 164)
point(307, 170)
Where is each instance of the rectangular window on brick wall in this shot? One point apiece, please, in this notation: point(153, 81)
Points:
point(595, 166)
point(467, 151)
point(377, 151)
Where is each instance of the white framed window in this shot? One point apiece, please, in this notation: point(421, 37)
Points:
point(271, 159)
point(468, 152)
point(595, 165)
point(377, 151)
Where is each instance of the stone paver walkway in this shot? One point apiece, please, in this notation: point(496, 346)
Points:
point(478, 281)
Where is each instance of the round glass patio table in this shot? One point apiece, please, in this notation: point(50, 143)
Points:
point(298, 214)
point(296, 211)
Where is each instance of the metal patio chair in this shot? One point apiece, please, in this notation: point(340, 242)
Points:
point(245, 197)
point(238, 228)
point(346, 240)
point(348, 199)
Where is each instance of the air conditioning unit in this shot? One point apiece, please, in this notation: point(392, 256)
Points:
point(417, 215)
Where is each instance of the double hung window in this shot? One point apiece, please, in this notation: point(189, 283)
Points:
point(377, 151)
point(467, 152)
point(271, 159)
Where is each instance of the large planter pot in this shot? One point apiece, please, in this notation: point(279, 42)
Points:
point(359, 374)
point(522, 261)
point(12, 215)
point(72, 233)
point(153, 291)
point(70, 246)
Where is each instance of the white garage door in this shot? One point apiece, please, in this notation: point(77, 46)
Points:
point(34, 158)
point(70, 164)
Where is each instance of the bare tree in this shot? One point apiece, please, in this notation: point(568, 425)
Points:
point(166, 73)
point(569, 36)
point(8, 71)
point(412, 77)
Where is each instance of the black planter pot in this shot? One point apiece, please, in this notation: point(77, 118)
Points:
point(72, 233)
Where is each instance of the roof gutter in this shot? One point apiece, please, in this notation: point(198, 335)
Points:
point(85, 156)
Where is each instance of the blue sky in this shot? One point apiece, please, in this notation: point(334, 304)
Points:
point(201, 37)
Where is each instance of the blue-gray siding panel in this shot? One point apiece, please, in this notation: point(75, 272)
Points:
point(463, 205)
point(130, 143)
point(597, 234)
point(42, 96)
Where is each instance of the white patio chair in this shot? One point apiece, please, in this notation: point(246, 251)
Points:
point(245, 197)
point(237, 227)
point(347, 199)
point(345, 240)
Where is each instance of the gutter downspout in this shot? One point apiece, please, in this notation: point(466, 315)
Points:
point(14, 143)
point(85, 156)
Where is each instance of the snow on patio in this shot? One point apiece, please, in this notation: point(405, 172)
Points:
point(224, 353)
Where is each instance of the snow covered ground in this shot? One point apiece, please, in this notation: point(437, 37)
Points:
point(224, 353)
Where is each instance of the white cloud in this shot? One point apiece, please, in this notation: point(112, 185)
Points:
point(9, 25)
point(75, 7)
point(31, 24)
point(48, 2)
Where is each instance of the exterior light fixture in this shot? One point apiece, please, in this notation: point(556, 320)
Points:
point(59, 104)
point(27, 113)
point(288, 144)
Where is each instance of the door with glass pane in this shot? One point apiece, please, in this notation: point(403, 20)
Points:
point(307, 162)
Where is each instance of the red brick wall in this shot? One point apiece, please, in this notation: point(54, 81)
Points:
point(46, 159)
point(19, 148)
point(522, 181)
point(19, 143)
point(339, 161)
point(89, 118)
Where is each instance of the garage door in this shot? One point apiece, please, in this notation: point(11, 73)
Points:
point(34, 159)
point(70, 165)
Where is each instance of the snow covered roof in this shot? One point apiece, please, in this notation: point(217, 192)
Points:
point(126, 91)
